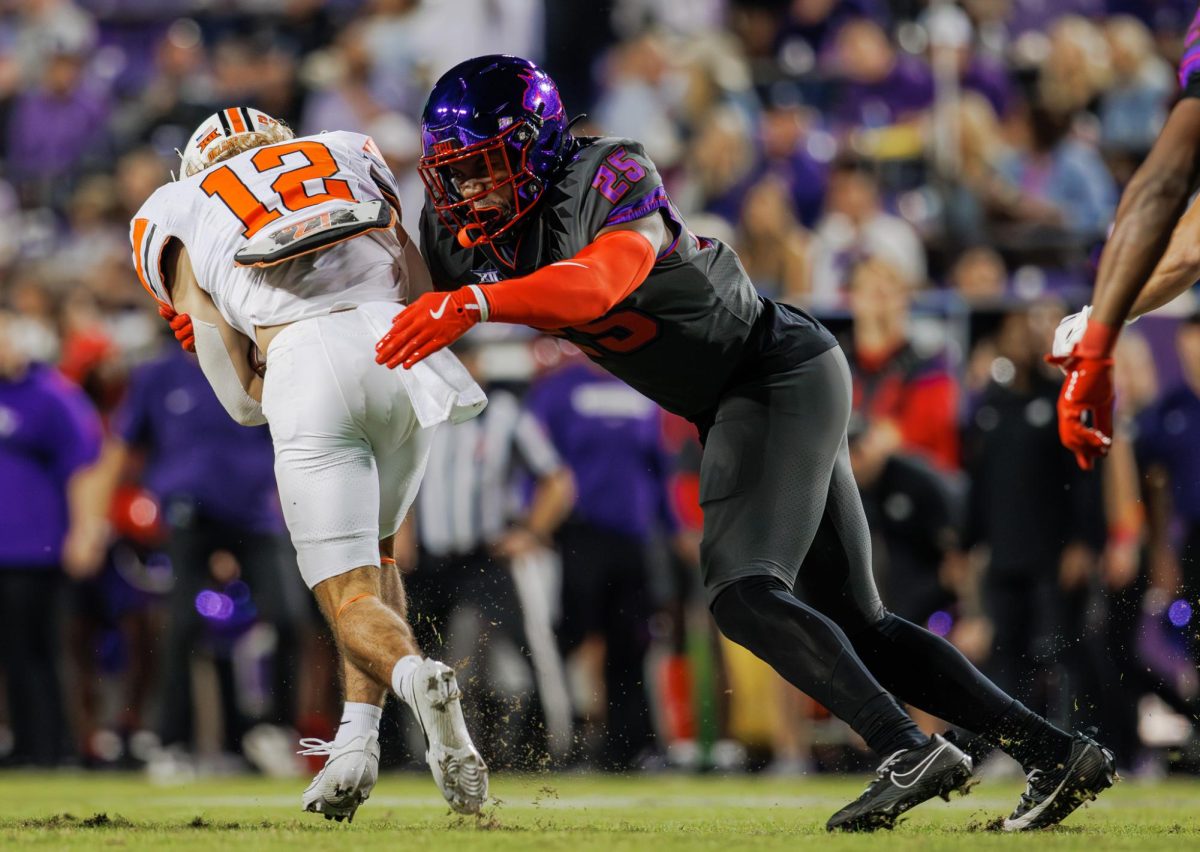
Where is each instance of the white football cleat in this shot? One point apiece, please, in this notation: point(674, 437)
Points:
point(457, 768)
point(346, 779)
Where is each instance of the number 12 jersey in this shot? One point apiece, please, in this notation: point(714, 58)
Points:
point(215, 212)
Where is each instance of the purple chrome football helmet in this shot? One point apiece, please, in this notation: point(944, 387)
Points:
point(495, 118)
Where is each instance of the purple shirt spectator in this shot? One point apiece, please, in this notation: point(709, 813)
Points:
point(1074, 178)
point(805, 176)
point(197, 454)
point(48, 431)
point(1027, 15)
point(1166, 435)
point(990, 79)
point(49, 133)
point(818, 31)
point(611, 438)
point(1161, 16)
point(907, 89)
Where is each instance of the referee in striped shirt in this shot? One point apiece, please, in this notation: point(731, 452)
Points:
point(469, 527)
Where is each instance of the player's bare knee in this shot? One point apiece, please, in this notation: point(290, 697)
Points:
point(335, 594)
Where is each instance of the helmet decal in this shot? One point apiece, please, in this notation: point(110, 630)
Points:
point(222, 125)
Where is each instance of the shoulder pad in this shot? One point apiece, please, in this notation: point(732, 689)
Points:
point(316, 233)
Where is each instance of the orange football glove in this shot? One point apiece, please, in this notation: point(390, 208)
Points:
point(1085, 405)
point(432, 322)
point(181, 324)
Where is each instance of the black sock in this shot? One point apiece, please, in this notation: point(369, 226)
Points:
point(886, 727)
point(1030, 739)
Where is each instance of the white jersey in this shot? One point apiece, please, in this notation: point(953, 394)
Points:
point(215, 212)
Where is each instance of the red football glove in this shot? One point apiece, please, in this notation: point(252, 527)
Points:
point(433, 321)
point(1085, 405)
point(1085, 409)
point(181, 324)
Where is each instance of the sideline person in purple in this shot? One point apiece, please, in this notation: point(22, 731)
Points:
point(611, 438)
point(49, 433)
point(216, 483)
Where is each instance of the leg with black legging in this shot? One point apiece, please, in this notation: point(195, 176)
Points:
point(190, 550)
point(278, 591)
point(764, 483)
point(917, 666)
point(814, 655)
point(29, 626)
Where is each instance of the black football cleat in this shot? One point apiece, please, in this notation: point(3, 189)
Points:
point(902, 782)
point(1053, 794)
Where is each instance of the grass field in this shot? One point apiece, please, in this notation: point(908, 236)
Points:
point(572, 812)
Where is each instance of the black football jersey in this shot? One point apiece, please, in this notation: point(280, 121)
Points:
point(694, 325)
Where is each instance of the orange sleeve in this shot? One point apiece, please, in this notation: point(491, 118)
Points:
point(575, 291)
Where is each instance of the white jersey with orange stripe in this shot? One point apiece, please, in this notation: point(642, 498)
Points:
point(215, 212)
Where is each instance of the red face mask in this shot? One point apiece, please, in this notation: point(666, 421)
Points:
point(481, 191)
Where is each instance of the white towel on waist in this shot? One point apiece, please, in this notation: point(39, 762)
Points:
point(440, 387)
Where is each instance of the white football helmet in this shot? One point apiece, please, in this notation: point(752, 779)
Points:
point(204, 143)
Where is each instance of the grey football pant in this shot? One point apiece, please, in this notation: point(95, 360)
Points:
point(786, 560)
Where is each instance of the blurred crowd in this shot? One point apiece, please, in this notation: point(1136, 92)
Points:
point(933, 179)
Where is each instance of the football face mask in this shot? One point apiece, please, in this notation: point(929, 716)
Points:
point(493, 131)
point(481, 191)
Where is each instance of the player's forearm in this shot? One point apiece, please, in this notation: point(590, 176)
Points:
point(1164, 286)
point(575, 291)
point(1177, 270)
point(553, 499)
point(1152, 203)
point(219, 368)
point(1157, 497)
point(88, 497)
point(102, 477)
point(1135, 247)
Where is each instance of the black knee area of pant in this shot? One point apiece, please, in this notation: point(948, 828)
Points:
point(740, 609)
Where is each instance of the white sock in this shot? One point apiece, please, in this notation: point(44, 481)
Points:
point(402, 675)
point(358, 720)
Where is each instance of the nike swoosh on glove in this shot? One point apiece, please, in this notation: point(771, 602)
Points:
point(432, 322)
point(181, 324)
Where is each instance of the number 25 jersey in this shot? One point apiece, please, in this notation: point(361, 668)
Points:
point(215, 212)
point(693, 329)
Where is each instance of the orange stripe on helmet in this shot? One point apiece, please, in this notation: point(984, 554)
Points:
point(235, 120)
point(139, 234)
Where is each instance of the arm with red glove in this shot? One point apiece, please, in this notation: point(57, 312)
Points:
point(181, 325)
point(1138, 271)
point(1085, 404)
point(559, 295)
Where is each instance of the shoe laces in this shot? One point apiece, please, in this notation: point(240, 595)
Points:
point(315, 747)
point(884, 767)
point(1032, 780)
point(890, 762)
